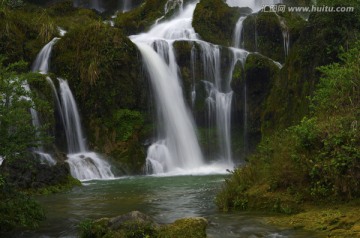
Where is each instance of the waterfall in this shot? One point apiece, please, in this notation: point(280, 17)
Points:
point(177, 145)
point(179, 148)
point(238, 32)
point(219, 97)
point(41, 65)
point(83, 163)
point(74, 135)
point(285, 34)
point(42, 60)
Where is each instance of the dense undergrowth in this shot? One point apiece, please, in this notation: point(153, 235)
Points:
point(315, 160)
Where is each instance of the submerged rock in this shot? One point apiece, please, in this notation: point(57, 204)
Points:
point(138, 224)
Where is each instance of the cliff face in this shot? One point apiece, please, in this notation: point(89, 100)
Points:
point(105, 72)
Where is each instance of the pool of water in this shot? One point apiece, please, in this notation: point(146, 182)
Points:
point(164, 198)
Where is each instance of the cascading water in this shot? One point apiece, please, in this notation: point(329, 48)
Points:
point(74, 135)
point(83, 164)
point(237, 33)
point(286, 35)
point(41, 65)
point(42, 60)
point(180, 148)
point(177, 148)
point(219, 97)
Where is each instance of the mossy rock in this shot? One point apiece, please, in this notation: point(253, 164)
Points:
point(263, 34)
point(30, 175)
point(137, 224)
point(186, 227)
point(103, 68)
point(140, 18)
point(70, 18)
point(258, 76)
point(214, 21)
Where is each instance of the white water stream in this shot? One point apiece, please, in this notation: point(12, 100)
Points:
point(177, 146)
point(84, 164)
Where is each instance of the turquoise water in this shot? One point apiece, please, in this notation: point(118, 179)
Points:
point(164, 198)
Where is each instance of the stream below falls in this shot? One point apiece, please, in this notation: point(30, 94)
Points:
point(164, 198)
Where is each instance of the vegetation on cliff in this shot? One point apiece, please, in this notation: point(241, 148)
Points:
point(23, 34)
point(316, 160)
point(102, 66)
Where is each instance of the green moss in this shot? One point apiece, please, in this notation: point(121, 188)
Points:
point(186, 227)
point(70, 18)
point(100, 62)
point(136, 227)
point(214, 21)
point(263, 33)
point(258, 77)
point(24, 32)
point(334, 220)
point(140, 18)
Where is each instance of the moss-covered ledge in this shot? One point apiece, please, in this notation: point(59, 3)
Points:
point(214, 21)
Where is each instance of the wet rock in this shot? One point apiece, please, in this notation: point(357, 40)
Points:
point(28, 173)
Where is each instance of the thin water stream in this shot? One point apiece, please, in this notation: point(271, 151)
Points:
point(164, 198)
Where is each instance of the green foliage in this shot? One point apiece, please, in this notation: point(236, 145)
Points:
point(318, 159)
point(90, 229)
point(319, 43)
point(17, 132)
point(17, 210)
point(126, 123)
point(24, 31)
